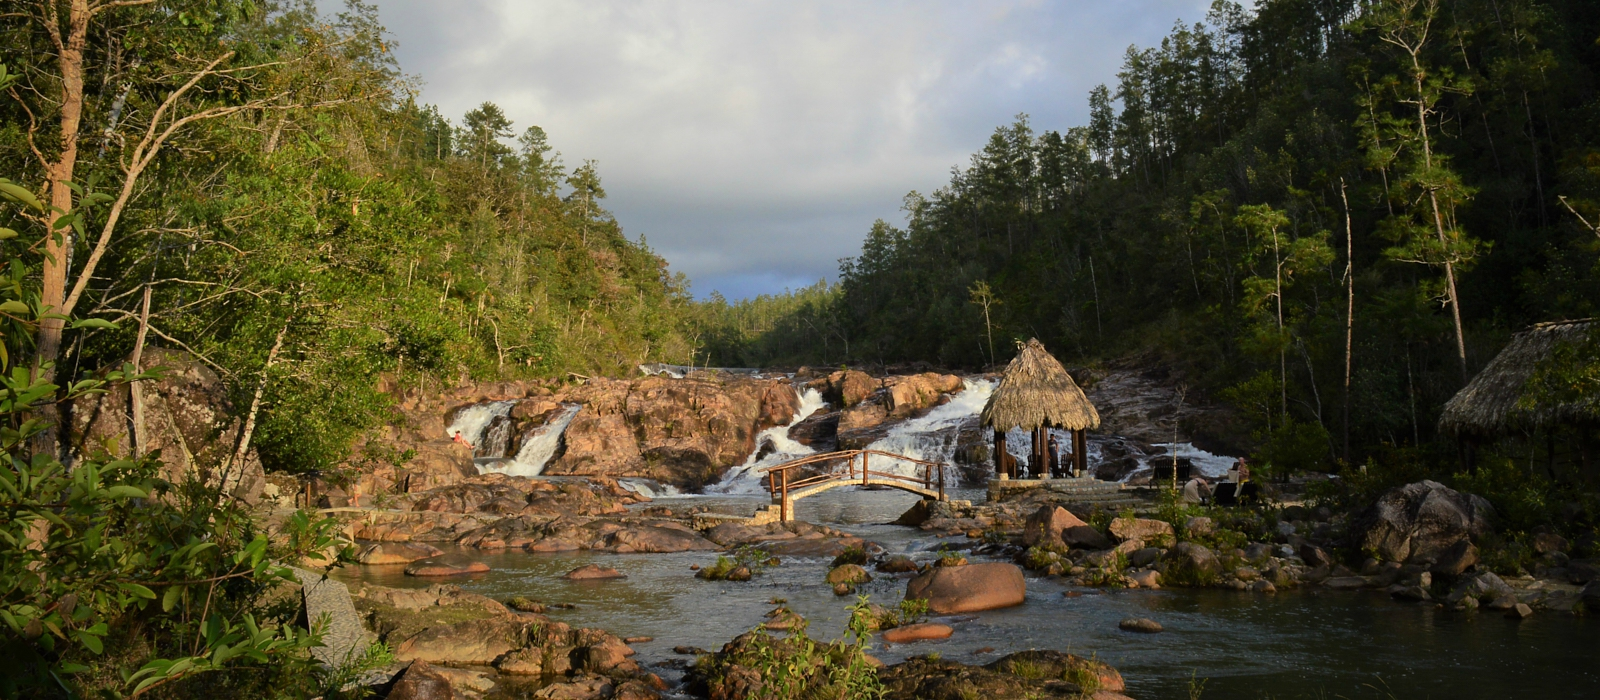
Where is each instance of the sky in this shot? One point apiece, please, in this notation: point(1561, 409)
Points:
point(752, 144)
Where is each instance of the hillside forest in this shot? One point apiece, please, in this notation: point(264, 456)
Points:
point(1326, 214)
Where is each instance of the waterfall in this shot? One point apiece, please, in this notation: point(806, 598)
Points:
point(746, 478)
point(933, 435)
point(473, 420)
point(538, 446)
point(496, 438)
point(1209, 465)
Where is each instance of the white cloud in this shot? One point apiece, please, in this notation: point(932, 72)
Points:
point(753, 143)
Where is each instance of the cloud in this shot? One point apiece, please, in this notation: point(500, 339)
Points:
point(753, 143)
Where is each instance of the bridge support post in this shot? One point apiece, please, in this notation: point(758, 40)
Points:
point(784, 507)
point(863, 469)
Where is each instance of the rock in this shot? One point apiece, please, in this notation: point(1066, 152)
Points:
point(739, 573)
point(1420, 522)
point(421, 682)
point(1145, 557)
point(849, 574)
point(606, 658)
point(592, 572)
point(1047, 523)
point(849, 387)
point(1458, 558)
point(397, 553)
point(474, 642)
point(1146, 579)
point(438, 567)
point(898, 564)
point(1547, 542)
point(1481, 587)
point(1591, 595)
point(1314, 556)
point(1263, 586)
point(1143, 529)
point(1246, 574)
point(580, 689)
point(647, 539)
point(527, 661)
point(1502, 603)
point(467, 682)
point(1192, 563)
point(1199, 526)
point(188, 417)
point(819, 547)
point(1345, 583)
point(1085, 536)
point(345, 638)
point(1258, 552)
point(1582, 571)
point(1519, 611)
point(916, 392)
point(1413, 592)
point(917, 633)
point(969, 588)
point(1140, 624)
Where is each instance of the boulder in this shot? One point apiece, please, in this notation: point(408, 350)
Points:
point(1419, 522)
point(1483, 587)
point(916, 392)
point(848, 574)
point(443, 567)
point(1140, 624)
point(898, 564)
point(1084, 536)
point(393, 553)
point(1314, 556)
point(1047, 524)
point(1145, 557)
point(1146, 578)
point(969, 588)
point(592, 572)
point(1193, 562)
point(421, 682)
point(1547, 542)
point(917, 633)
point(1199, 526)
point(1143, 529)
point(473, 642)
point(1458, 558)
point(579, 689)
point(1582, 570)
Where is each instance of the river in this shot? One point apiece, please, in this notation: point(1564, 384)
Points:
point(1306, 643)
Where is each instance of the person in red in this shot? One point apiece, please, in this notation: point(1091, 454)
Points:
point(461, 439)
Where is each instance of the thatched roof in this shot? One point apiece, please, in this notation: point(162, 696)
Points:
point(1489, 404)
point(1036, 390)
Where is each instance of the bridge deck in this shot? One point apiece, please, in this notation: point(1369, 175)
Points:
point(786, 489)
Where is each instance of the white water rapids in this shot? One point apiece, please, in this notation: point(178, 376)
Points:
point(746, 478)
point(471, 422)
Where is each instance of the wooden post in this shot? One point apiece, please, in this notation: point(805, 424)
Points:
point(1000, 453)
point(863, 469)
point(783, 505)
point(941, 482)
point(1080, 451)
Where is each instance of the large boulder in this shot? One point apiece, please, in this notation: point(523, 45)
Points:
point(1421, 522)
point(1047, 524)
point(187, 416)
point(475, 642)
point(1190, 563)
point(421, 682)
point(1141, 529)
point(970, 588)
point(397, 553)
point(919, 391)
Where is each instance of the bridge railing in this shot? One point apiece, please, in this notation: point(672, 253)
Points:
point(781, 478)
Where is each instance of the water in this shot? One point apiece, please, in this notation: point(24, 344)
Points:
point(932, 436)
point(1298, 644)
point(472, 422)
point(1207, 464)
point(747, 477)
point(538, 446)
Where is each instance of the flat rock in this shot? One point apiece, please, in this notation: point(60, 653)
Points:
point(917, 633)
point(344, 638)
point(1140, 624)
point(394, 553)
point(969, 588)
point(592, 572)
point(421, 682)
point(437, 568)
point(1143, 529)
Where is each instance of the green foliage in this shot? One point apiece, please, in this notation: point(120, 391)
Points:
point(854, 554)
point(796, 666)
point(748, 557)
point(913, 610)
point(114, 581)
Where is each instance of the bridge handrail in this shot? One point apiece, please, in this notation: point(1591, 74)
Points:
point(845, 454)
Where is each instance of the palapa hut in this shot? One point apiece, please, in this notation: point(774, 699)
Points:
point(1035, 394)
point(1496, 404)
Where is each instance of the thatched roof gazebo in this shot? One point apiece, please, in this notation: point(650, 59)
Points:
point(1036, 393)
point(1492, 405)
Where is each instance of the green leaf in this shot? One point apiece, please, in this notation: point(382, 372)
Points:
point(21, 195)
point(7, 234)
point(125, 491)
point(170, 599)
point(90, 642)
point(94, 323)
point(138, 590)
point(14, 307)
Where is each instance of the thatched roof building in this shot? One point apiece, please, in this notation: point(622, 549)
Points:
point(1037, 391)
point(1489, 405)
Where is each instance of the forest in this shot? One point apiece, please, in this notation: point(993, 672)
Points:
point(255, 184)
point(1327, 214)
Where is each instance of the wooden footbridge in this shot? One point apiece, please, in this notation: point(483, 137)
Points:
point(789, 482)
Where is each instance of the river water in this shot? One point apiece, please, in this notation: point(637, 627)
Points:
point(1311, 644)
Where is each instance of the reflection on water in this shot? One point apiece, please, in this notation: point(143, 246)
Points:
point(1297, 644)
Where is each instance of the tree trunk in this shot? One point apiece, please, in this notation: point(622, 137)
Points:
point(1349, 314)
point(141, 443)
point(255, 408)
point(57, 247)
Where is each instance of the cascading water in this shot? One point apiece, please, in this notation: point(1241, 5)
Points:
point(746, 478)
point(932, 436)
point(1211, 466)
point(538, 446)
point(471, 422)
